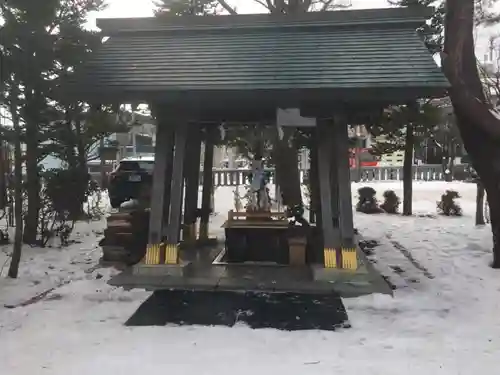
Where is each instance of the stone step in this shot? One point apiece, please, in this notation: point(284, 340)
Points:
point(119, 227)
point(119, 216)
point(117, 239)
point(114, 253)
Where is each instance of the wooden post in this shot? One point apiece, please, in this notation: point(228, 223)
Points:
point(207, 184)
point(324, 170)
point(192, 173)
point(315, 184)
point(159, 252)
point(181, 207)
point(160, 198)
point(315, 206)
point(177, 185)
point(357, 158)
point(341, 149)
point(408, 171)
point(334, 186)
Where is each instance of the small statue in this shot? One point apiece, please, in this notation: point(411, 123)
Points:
point(237, 200)
point(259, 199)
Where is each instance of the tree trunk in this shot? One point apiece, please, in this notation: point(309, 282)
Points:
point(451, 162)
point(32, 183)
point(4, 171)
point(82, 157)
point(286, 160)
point(102, 167)
point(479, 127)
point(480, 204)
point(408, 172)
point(70, 143)
point(18, 192)
point(286, 156)
point(82, 169)
point(493, 192)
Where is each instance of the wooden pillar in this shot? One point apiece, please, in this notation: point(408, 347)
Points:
point(316, 200)
point(160, 192)
point(177, 186)
point(180, 215)
point(357, 159)
point(330, 234)
point(324, 156)
point(315, 206)
point(341, 150)
point(192, 175)
point(334, 185)
point(207, 183)
point(161, 178)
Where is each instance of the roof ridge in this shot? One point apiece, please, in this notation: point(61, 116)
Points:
point(408, 17)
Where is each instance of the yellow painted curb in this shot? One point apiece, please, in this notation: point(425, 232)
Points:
point(349, 259)
point(330, 258)
point(171, 254)
point(153, 254)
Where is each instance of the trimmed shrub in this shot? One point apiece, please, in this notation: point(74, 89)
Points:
point(391, 202)
point(367, 203)
point(447, 205)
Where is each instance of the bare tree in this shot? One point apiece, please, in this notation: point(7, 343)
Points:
point(477, 119)
point(489, 71)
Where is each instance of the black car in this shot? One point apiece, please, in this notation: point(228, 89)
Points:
point(128, 177)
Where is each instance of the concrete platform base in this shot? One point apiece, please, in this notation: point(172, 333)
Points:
point(201, 270)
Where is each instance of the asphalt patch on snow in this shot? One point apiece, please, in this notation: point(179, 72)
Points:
point(284, 311)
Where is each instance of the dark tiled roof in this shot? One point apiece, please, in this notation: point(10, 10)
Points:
point(317, 53)
point(364, 17)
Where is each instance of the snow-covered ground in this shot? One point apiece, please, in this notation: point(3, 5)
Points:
point(443, 321)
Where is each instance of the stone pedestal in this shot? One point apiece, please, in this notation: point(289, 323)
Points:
point(297, 251)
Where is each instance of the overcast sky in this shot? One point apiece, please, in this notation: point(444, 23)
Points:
point(144, 8)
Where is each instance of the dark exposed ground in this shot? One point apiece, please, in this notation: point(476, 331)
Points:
point(257, 310)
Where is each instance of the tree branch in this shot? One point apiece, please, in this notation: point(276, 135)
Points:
point(227, 7)
point(261, 2)
point(466, 92)
point(326, 4)
point(270, 6)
